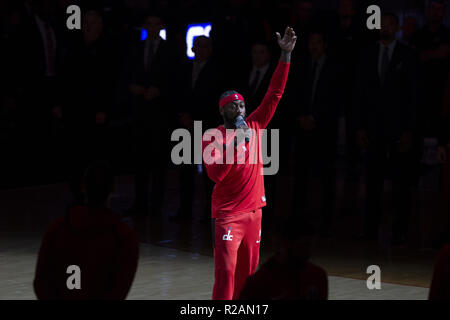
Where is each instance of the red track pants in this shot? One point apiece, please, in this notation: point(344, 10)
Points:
point(236, 253)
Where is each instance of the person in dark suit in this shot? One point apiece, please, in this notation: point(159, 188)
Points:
point(433, 45)
point(317, 108)
point(409, 29)
point(257, 77)
point(303, 18)
point(348, 35)
point(444, 136)
point(149, 74)
point(385, 115)
point(234, 22)
point(88, 72)
point(199, 86)
point(35, 64)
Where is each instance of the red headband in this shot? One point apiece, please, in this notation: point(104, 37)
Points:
point(230, 98)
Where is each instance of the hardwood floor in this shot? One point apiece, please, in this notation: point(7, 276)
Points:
point(176, 257)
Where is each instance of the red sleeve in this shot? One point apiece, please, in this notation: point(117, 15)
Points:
point(126, 263)
point(44, 288)
point(440, 283)
point(264, 113)
point(216, 170)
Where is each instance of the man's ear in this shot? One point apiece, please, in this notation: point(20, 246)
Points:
point(221, 111)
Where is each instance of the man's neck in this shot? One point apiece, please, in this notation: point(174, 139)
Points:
point(91, 39)
point(318, 58)
point(260, 66)
point(229, 125)
point(197, 61)
point(387, 42)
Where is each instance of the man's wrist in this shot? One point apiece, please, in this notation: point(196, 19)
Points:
point(285, 56)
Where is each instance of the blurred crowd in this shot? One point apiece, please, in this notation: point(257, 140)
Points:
point(377, 98)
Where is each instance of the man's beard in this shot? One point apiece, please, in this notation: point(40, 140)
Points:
point(231, 119)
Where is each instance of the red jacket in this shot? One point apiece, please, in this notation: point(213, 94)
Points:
point(105, 249)
point(440, 284)
point(240, 187)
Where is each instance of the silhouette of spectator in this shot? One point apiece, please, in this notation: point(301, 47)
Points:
point(440, 283)
point(237, 22)
point(93, 238)
point(316, 107)
point(257, 74)
point(348, 35)
point(409, 29)
point(289, 275)
point(199, 83)
point(303, 18)
point(346, 40)
point(444, 137)
point(88, 73)
point(13, 21)
point(149, 72)
point(385, 118)
point(303, 15)
point(11, 131)
point(433, 44)
point(35, 64)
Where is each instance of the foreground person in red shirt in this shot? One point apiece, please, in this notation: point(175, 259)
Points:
point(235, 166)
point(289, 275)
point(92, 238)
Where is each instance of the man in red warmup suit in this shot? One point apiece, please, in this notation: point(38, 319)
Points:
point(238, 195)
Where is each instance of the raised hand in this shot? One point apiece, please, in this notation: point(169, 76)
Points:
point(287, 43)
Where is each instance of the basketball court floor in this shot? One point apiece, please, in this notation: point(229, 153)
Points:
point(176, 257)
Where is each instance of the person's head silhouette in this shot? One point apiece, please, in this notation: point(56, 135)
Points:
point(293, 239)
point(97, 184)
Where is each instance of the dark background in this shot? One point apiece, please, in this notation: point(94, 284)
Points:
point(49, 123)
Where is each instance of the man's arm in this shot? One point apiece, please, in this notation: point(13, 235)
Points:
point(285, 57)
point(264, 113)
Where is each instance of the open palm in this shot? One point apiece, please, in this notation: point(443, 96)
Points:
point(287, 43)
